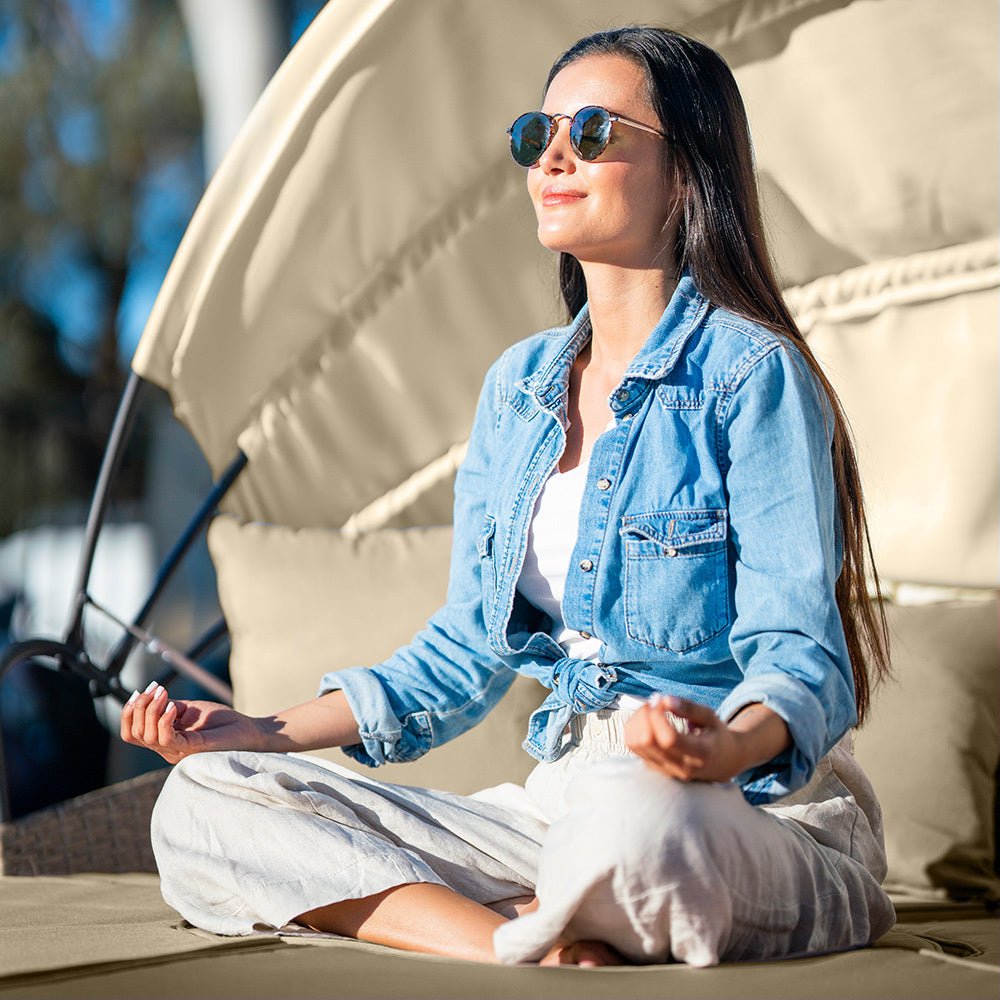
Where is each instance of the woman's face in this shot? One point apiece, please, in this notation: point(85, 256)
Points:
point(613, 209)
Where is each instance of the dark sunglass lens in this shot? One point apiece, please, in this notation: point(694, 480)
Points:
point(529, 136)
point(590, 132)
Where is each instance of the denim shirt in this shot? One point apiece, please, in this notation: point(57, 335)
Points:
point(706, 560)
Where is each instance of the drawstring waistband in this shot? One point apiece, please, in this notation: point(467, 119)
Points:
point(605, 729)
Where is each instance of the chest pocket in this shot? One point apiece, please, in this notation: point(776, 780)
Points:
point(676, 577)
point(487, 563)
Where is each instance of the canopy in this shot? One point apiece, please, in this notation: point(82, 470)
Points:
point(367, 248)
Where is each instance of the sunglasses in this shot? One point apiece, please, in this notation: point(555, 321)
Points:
point(589, 133)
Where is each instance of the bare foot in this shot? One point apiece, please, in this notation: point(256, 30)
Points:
point(583, 953)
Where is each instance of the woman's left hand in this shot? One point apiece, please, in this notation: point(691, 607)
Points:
point(710, 751)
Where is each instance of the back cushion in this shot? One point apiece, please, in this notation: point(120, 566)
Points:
point(931, 749)
point(301, 602)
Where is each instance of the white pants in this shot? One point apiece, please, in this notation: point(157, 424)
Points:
point(661, 870)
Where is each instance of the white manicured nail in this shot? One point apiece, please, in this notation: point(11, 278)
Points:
point(170, 705)
point(135, 694)
point(152, 686)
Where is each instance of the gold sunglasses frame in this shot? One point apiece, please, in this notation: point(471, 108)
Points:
point(554, 128)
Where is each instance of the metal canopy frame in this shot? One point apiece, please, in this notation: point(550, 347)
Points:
point(70, 654)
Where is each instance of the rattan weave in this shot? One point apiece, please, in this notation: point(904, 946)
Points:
point(103, 831)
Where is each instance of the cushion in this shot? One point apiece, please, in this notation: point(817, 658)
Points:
point(113, 936)
point(301, 602)
point(930, 749)
point(926, 439)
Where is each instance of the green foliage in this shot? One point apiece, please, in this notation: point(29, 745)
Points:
point(144, 105)
point(85, 116)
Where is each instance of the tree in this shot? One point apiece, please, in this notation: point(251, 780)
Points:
point(100, 167)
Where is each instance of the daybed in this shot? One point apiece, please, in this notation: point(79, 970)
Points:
point(330, 314)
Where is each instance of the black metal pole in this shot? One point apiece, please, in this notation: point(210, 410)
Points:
point(125, 645)
point(209, 638)
point(216, 631)
point(98, 506)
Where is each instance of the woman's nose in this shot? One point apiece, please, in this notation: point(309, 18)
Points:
point(558, 156)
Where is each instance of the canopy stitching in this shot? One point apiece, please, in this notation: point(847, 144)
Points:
point(865, 291)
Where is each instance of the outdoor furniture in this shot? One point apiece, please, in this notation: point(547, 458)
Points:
point(323, 333)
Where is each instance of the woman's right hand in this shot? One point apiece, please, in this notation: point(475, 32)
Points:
point(177, 729)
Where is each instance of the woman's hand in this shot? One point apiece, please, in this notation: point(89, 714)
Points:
point(711, 750)
point(177, 729)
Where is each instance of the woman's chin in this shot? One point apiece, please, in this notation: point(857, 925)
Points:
point(558, 242)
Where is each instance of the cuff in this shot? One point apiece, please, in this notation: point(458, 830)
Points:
point(385, 738)
point(806, 719)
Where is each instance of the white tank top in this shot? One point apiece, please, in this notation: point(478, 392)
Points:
point(551, 539)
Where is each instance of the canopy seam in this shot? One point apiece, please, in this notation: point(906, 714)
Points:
point(865, 291)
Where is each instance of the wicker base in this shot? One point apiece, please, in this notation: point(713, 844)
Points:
point(103, 831)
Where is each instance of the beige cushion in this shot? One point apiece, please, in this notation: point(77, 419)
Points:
point(110, 935)
point(874, 129)
point(301, 602)
point(931, 749)
point(919, 383)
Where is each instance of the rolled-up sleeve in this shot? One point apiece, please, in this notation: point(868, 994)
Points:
point(787, 637)
point(446, 679)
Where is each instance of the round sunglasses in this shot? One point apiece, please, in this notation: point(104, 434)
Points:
point(589, 133)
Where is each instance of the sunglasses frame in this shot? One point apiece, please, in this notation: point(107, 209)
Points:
point(553, 121)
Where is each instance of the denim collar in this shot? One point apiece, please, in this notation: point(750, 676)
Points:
point(657, 356)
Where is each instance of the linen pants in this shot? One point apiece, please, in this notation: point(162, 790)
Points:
point(660, 869)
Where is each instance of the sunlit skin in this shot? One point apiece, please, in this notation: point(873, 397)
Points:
point(618, 216)
point(618, 221)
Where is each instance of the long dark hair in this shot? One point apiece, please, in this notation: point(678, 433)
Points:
point(720, 240)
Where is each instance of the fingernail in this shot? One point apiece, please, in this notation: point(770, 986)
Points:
point(170, 705)
point(656, 699)
point(135, 694)
point(152, 686)
point(161, 692)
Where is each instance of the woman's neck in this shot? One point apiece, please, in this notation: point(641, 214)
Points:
point(625, 305)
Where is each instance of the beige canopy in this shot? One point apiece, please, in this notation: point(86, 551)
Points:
point(367, 248)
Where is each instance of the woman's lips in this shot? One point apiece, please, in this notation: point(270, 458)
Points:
point(557, 196)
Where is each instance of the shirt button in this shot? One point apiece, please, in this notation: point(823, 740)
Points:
point(586, 565)
point(621, 395)
point(604, 484)
point(669, 551)
point(626, 416)
point(585, 635)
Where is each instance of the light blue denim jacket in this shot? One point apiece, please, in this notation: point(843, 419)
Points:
point(706, 560)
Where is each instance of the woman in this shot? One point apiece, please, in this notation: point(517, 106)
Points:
point(660, 518)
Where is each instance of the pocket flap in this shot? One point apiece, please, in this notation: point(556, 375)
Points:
point(677, 528)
